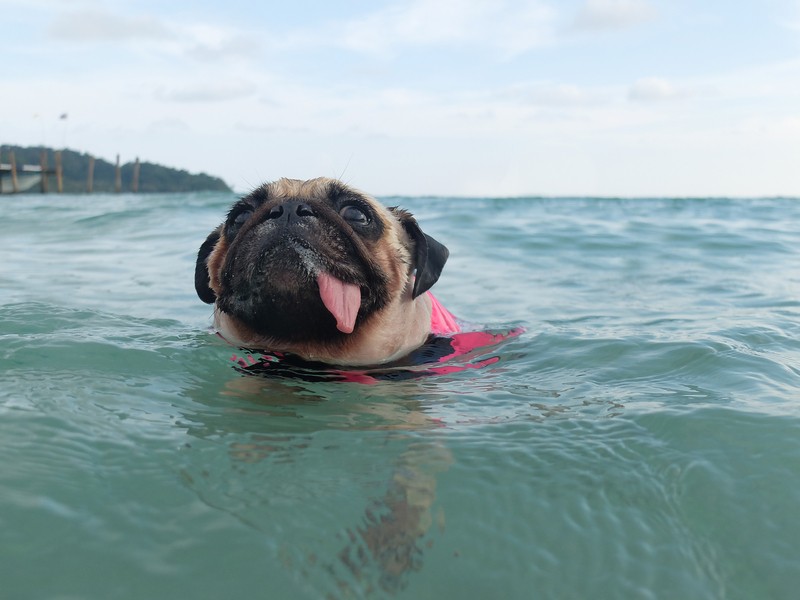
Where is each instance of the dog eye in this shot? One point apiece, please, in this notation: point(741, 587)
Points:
point(354, 215)
point(241, 218)
point(236, 223)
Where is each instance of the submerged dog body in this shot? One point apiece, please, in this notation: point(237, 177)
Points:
point(323, 271)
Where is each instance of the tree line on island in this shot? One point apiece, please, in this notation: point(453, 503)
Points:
point(78, 168)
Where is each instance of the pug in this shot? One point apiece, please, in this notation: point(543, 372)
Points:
point(323, 271)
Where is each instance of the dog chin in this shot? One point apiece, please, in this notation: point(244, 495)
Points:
point(235, 333)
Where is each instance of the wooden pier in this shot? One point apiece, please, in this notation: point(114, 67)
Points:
point(36, 169)
point(15, 179)
point(20, 178)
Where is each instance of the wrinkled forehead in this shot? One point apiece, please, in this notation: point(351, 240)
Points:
point(312, 189)
point(328, 191)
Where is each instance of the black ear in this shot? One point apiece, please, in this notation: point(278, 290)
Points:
point(429, 256)
point(205, 292)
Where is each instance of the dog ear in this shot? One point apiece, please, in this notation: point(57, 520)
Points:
point(429, 255)
point(201, 276)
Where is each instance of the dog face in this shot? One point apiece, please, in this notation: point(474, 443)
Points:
point(313, 262)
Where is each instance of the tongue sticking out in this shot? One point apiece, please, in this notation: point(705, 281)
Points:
point(341, 299)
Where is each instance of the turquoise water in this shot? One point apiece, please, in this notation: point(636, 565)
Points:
point(641, 440)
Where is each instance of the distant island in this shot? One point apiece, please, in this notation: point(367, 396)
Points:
point(153, 178)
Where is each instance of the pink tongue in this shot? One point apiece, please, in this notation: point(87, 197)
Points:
point(341, 299)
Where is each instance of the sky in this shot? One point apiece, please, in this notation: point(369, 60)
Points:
point(422, 97)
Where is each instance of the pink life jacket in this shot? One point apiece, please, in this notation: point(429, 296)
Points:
point(442, 320)
point(447, 342)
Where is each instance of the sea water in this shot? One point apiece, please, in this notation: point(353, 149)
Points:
point(640, 440)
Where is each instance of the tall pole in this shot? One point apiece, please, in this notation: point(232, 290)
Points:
point(90, 176)
point(43, 165)
point(14, 183)
point(59, 173)
point(136, 168)
point(118, 177)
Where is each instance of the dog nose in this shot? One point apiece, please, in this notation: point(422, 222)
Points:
point(291, 209)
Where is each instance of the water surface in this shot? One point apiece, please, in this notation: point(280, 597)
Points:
point(640, 440)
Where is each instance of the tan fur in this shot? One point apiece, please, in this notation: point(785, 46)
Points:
point(400, 327)
point(215, 261)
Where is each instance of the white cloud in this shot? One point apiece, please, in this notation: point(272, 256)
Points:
point(558, 95)
point(208, 43)
point(91, 25)
point(769, 127)
point(218, 91)
point(602, 15)
point(791, 16)
point(172, 124)
point(198, 41)
point(653, 89)
point(509, 26)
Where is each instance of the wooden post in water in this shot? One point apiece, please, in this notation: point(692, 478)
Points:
point(43, 165)
point(14, 183)
point(90, 176)
point(118, 177)
point(59, 173)
point(135, 183)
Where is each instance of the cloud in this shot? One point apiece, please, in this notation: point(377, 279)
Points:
point(99, 25)
point(510, 26)
point(233, 47)
point(256, 129)
point(169, 124)
point(197, 41)
point(559, 95)
point(605, 15)
point(208, 43)
point(209, 92)
point(654, 89)
point(790, 16)
point(769, 127)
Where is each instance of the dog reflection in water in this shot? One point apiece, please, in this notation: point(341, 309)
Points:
point(388, 544)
